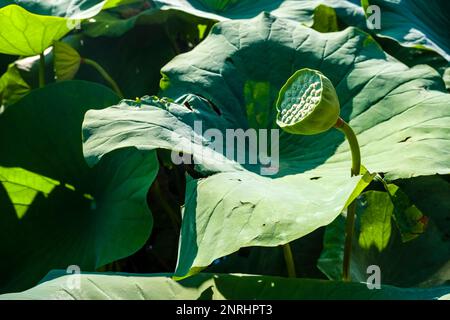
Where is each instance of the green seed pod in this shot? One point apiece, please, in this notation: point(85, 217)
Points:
point(307, 103)
point(66, 61)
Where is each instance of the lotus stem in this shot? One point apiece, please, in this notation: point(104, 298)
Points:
point(289, 260)
point(104, 74)
point(343, 126)
point(41, 70)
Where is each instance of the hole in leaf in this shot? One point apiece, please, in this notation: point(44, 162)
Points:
point(315, 178)
point(404, 140)
point(187, 105)
point(229, 61)
point(212, 105)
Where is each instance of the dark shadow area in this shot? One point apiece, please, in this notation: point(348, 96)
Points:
point(164, 198)
point(421, 262)
point(41, 237)
point(5, 60)
point(41, 134)
point(270, 260)
point(133, 59)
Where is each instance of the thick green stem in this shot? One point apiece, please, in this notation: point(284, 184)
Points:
point(351, 210)
point(104, 74)
point(41, 70)
point(349, 228)
point(289, 260)
point(343, 126)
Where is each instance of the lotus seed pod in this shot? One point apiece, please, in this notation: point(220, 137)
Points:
point(318, 104)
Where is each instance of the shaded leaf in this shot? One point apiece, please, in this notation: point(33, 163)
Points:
point(66, 61)
point(300, 10)
point(423, 261)
point(12, 86)
point(418, 24)
point(270, 260)
point(316, 13)
point(54, 210)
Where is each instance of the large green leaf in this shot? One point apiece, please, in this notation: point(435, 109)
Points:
point(24, 33)
point(210, 287)
point(410, 23)
point(419, 24)
point(398, 113)
point(406, 22)
point(238, 207)
point(424, 261)
point(230, 196)
point(29, 26)
point(412, 41)
point(220, 10)
point(54, 210)
point(313, 13)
